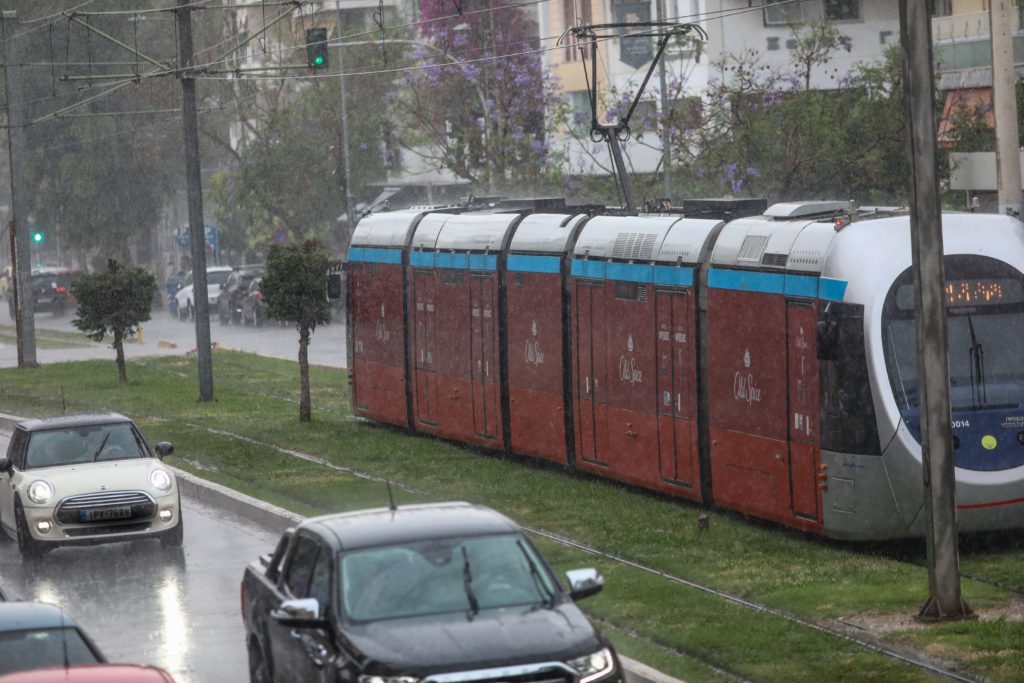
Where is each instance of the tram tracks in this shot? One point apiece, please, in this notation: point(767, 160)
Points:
point(845, 632)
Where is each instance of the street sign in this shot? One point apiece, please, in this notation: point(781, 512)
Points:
point(184, 239)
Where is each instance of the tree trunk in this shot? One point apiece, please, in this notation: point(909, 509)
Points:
point(122, 373)
point(305, 412)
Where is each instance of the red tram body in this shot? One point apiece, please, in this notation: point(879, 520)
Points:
point(683, 355)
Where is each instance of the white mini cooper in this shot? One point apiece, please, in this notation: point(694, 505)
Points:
point(78, 479)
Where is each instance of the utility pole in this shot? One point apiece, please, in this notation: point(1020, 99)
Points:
point(666, 140)
point(196, 224)
point(1004, 107)
point(21, 246)
point(349, 207)
point(945, 601)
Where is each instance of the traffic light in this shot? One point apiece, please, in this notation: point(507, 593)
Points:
point(316, 47)
point(37, 236)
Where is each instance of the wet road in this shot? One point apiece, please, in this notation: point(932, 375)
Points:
point(165, 335)
point(142, 604)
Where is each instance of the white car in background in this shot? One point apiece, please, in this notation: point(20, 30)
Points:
point(82, 479)
point(215, 277)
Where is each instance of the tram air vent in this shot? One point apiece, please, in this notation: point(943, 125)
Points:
point(634, 245)
point(777, 260)
point(752, 248)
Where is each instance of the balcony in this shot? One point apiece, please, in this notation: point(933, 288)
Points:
point(963, 51)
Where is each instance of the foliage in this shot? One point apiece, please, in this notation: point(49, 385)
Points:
point(295, 288)
point(113, 302)
point(476, 105)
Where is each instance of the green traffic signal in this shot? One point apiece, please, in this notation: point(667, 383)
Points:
point(37, 237)
point(319, 61)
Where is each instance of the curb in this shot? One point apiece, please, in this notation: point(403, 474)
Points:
point(278, 519)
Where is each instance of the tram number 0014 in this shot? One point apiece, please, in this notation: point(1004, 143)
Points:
point(960, 424)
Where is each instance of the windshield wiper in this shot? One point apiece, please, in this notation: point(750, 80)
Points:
point(103, 443)
point(979, 396)
point(467, 583)
point(542, 588)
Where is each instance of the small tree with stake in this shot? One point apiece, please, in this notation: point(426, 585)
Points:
point(114, 301)
point(295, 288)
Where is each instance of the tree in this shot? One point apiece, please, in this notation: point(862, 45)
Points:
point(476, 105)
point(114, 301)
point(295, 289)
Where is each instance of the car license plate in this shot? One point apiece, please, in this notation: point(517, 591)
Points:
point(106, 514)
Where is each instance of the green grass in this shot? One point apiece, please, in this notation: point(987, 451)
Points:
point(47, 339)
point(676, 628)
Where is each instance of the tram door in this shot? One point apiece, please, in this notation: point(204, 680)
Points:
point(801, 342)
point(356, 275)
point(592, 364)
point(484, 368)
point(675, 443)
point(424, 348)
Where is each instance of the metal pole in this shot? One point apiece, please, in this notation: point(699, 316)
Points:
point(349, 204)
point(945, 600)
point(666, 141)
point(1004, 107)
point(21, 245)
point(196, 224)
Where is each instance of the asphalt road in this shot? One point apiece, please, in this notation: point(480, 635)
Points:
point(165, 335)
point(142, 604)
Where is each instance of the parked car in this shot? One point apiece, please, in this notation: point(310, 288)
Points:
point(234, 291)
point(254, 308)
point(92, 673)
point(446, 592)
point(51, 291)
point(185, 304)
point(78, 479)
point(36, 635)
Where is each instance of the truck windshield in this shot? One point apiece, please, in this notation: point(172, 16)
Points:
point(446, 575)
point(985, 319)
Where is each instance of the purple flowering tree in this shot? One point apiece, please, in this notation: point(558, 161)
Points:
point(476, 104)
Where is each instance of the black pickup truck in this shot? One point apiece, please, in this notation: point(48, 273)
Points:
point(440, 593)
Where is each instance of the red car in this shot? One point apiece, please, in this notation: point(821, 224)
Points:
point(92, 673)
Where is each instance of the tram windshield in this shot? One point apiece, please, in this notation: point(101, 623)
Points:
point(985, 319)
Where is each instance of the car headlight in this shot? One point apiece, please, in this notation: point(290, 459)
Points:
point(40, 491)
point(160, 480)
point(388, 679)
point(592, 667)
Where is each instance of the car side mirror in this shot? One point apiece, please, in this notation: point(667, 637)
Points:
point(302, 613)
point(163, 449)
point(5, 465)
point(584, 582)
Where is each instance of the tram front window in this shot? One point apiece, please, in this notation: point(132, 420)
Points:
point(985, 320)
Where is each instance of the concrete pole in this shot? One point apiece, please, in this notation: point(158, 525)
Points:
point(350, 212)
point(21, 245)
point(196, 224)
point(666, 141)
point(1004, 107)
point(945, 600)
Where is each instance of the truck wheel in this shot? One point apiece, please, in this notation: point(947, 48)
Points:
point(29, 547)
point(176, 536)
point(259, 672)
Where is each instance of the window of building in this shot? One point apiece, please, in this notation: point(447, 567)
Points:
point(782, 12)
point(575, 12)
point(842, 10)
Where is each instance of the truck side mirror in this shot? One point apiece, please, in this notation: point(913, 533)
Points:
point(584, 582)
point(302, 613)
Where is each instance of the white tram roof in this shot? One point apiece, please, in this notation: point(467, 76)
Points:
point(645, 238)
point(476, 232)
point(793, 237)
point(385, 229)
point(545, 233)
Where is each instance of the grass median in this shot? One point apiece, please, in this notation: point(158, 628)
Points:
point(674, 627)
